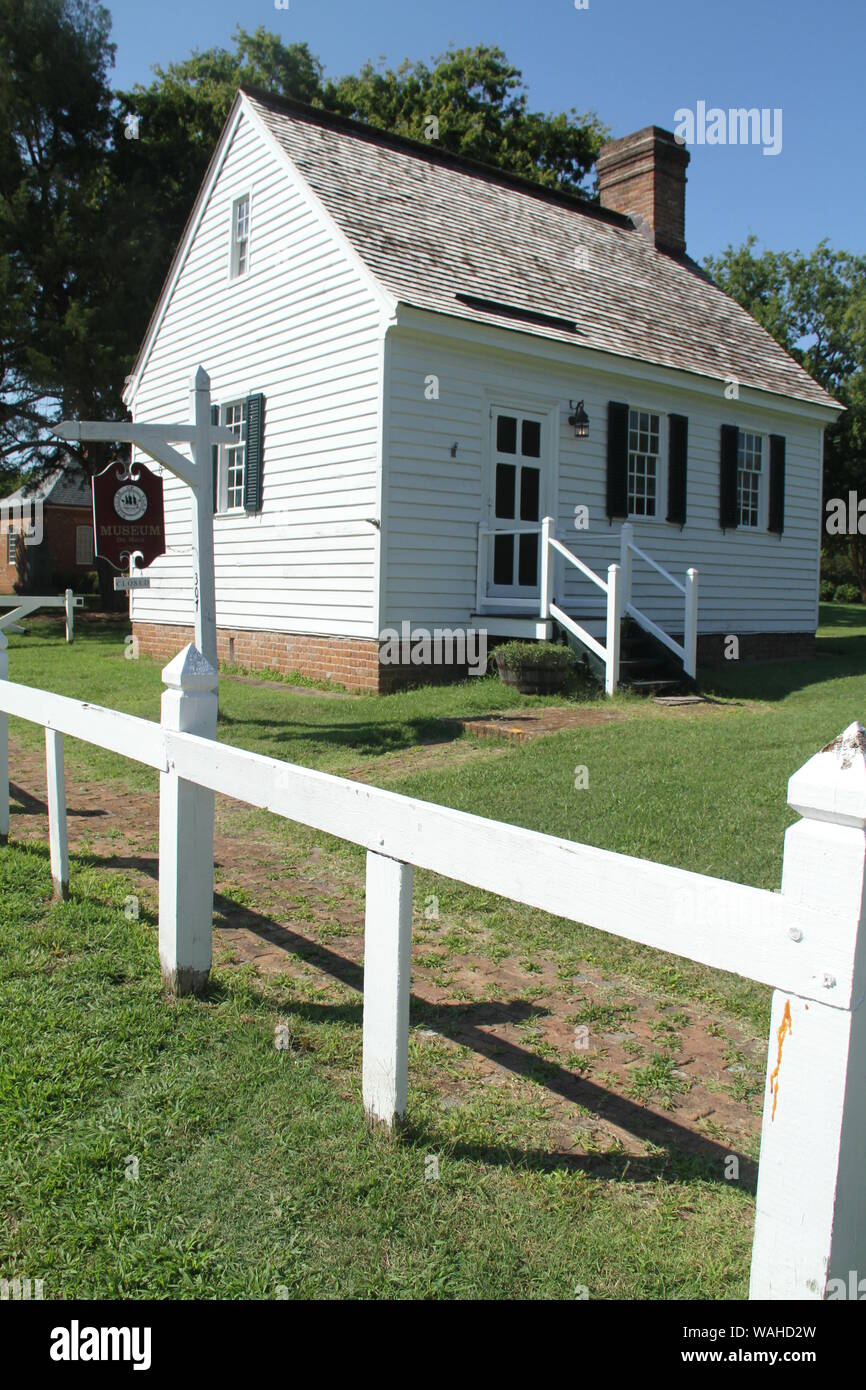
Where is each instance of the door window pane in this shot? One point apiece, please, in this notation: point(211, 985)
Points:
point(530, 444)
point(529, 485)
point(505, 480)
point(527, 568)
point(503, 560)
point(506, 434)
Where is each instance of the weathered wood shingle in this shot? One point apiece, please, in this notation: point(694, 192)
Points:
point(431, 227)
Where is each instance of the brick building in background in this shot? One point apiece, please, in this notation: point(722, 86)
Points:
point(64, 556)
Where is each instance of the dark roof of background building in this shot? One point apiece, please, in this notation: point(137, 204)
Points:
point(66, 486)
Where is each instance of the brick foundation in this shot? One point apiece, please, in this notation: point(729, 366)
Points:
point(756, 646)
point(354, 661)
point(351, 661)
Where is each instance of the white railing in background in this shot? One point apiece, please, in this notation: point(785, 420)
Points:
point(22, 605)
point(688, 652)
point(808, 941)
point(617, 589)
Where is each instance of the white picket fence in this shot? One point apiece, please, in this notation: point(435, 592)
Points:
point(20, 606)
point(808, 941)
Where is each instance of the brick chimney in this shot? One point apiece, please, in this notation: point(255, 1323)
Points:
point(644, 175)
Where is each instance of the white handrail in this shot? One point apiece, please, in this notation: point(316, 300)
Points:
point(578, 563)
point(566, 621)
point(636, 550)
point(688, 652)
point(608, 651)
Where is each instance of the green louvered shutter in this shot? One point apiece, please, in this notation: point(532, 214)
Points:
point(728, 477)
point(776, 518)
point(255, 453)
point(678, 446)
point(617, 459)
point(215, 456)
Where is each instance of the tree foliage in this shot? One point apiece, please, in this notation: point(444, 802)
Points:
point(480, 105)
point(96, 186)
point(58, 336)
point(815, 307)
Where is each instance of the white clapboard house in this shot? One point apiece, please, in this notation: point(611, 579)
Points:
point(422, 359)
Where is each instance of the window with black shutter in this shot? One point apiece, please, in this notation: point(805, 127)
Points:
point(776, 509)
point(617, 459)
point(255, 453)
point(215, 458)
point(678, 444)
point(728, 477)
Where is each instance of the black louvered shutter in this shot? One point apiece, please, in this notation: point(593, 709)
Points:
point(678, 448)
point(255, 453)
point(215, 456)
point(617, 459)
point(728, 477)
point(776, 519)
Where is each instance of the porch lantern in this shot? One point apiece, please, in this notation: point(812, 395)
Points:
point(579, 419)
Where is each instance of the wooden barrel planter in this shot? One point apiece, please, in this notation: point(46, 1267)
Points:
point(534, 668)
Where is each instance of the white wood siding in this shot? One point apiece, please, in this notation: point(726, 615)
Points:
point(304, 328)
point(749, 581)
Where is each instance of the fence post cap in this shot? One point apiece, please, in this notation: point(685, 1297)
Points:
point(190, 671)
point(200, 380)
point(831, 786)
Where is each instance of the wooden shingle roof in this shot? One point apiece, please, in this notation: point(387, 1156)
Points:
point(444, 234)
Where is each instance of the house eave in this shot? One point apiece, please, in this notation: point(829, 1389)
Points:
point(496, 337)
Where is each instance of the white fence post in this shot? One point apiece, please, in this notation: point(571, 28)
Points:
point(55, 775)
point(70, 615)
point(186, 823)
point(810, 1222)
point(690, 632)
point(626, 539)
point(56, 780)
point(387, 960)
point(614, 616)
point(4, 746)
point(548, 567)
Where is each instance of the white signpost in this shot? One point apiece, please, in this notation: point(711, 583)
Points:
point(190, 704)
point(156, 441)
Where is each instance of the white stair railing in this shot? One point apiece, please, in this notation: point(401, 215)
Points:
point(687, 652)
point(608, 652)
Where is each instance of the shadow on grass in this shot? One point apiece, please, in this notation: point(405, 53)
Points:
point(836, 656)
point(362, 738)
point(688, 1154)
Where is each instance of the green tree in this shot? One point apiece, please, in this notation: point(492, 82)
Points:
point(815, 307)
point(57, 343)
point(480, 104)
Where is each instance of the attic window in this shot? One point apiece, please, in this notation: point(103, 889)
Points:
point(514, 311)
point(240, 235)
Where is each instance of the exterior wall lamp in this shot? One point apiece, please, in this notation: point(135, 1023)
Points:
point(579, 419)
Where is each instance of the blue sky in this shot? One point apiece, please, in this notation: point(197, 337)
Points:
point(634, 62)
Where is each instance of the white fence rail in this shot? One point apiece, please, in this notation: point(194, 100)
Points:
point(22, 605)
point(808, 942)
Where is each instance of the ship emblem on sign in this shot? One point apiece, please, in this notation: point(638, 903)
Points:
point(130, 503)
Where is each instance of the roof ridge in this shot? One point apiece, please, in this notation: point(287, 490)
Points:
point(435, 154)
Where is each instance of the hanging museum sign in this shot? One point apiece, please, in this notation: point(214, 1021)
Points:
point(128, 515)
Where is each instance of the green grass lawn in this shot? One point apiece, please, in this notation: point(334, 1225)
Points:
point(256, 1173)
